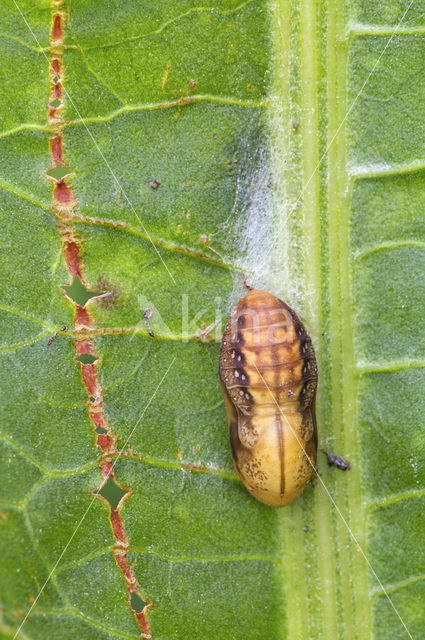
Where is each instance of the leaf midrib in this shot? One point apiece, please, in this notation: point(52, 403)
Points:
point(343, 602)
point(355, 583)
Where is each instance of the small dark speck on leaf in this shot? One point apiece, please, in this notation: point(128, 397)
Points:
point(337, 461)
point(154, 184)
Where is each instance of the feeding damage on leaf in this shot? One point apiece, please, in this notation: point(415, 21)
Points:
point(79, 294)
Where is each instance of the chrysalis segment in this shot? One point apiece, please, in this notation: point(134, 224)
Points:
point(268, 375)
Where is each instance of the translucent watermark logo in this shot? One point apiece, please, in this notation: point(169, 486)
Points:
point(264, 325)
point(201, 325)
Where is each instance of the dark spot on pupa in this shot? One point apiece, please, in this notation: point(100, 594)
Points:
point(247, 396)
point(304, 348)
point(305, 371)
point(241, 321)
point(300, 331)
point(239, 358)
point(243, 376)
point(237, 339)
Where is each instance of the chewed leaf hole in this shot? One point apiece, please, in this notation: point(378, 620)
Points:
point(55, 103)
point(56, 79)
point(92, 398)
point(78, 292)
point(100, 430)
point(112, 492)
point(137, 603)
point(58, 173)
point(86, 358)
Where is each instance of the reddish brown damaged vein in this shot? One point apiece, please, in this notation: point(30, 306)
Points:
point(64, 205)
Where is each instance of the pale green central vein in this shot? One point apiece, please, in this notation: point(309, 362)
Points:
point(354, 579)
point(311, 209)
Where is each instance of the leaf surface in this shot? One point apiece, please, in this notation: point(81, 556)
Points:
point(190, 145)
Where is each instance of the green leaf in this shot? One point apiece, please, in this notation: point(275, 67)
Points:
point(189, 146)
